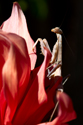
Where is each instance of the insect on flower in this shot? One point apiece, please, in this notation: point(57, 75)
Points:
point(27, 94)
point(56, 60)
point(56, 52)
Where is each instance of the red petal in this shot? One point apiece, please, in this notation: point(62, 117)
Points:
point(36, 94)
point(3, 105)
point(43, 110)
point(5, 41)
point(4, 47)
point(16, 72)
point(66, 112)
point(17, 24)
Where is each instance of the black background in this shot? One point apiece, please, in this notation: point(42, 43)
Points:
point(68, 15)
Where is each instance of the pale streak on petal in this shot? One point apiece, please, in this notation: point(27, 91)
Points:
point(11, 76)
point(5, 51)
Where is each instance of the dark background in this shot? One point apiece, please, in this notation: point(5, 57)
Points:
point(42, 15)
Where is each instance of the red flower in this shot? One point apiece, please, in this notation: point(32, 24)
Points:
point(25, 98)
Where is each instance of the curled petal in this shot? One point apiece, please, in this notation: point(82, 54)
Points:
point(44, 109)
point(5, 40)
point(4, 48)
point(66, 111)
point(17, 24)
point(11, 38)
point(36, 94)
point(16, 74)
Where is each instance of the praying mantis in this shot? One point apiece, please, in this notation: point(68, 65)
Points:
point(56, 59)
point(56, 52)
